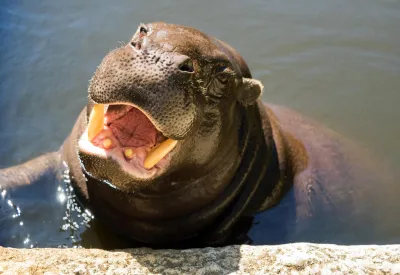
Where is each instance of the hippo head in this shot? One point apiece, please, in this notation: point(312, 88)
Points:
point(164, 109)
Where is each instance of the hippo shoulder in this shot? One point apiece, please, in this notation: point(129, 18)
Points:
point(336, 183)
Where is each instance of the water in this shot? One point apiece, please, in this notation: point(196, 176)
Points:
point(336, 61)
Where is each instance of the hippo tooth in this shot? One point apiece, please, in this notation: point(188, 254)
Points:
point(107, 143)
point(158, 152)
point(129, 153)
point(96, 121)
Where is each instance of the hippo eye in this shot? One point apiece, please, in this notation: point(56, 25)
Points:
point(187, 66)
point(223, 73)
point(221, 69)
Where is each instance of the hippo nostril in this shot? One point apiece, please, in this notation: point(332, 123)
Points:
point(135, 45)
point(143, 30)
point(187, 66)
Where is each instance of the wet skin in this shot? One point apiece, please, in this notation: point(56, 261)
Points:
point(235, 156)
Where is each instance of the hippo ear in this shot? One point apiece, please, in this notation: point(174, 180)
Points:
point(252, 89)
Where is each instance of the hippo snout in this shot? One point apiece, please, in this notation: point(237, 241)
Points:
point(156, 81)
point(179, 61)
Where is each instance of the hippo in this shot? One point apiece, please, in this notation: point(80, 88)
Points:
point(175, 146)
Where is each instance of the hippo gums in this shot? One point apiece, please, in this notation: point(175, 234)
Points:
point(175, 145)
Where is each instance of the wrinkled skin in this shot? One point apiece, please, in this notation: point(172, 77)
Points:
point(235, 155)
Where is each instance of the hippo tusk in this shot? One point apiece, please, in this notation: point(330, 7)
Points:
point(158, 152)
point(96, 121)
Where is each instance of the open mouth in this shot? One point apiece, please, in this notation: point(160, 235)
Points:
point(125, 134)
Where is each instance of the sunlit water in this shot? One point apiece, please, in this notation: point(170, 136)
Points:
point(55, 220)
point(336, 61)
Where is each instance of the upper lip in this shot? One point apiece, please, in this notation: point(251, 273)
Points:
point(100, 109)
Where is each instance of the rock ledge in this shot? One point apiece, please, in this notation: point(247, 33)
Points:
point(299, 258)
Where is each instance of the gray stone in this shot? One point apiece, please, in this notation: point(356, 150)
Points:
point(300, 258)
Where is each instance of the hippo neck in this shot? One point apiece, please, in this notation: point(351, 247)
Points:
point(256, 178)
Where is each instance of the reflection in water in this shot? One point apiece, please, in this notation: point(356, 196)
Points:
point(76, 219)
point(14, 214)
point(15, 232)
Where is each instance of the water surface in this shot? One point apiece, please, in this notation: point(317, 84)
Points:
point(336, 61)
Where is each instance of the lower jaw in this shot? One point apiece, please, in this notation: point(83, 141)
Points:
point(133, 167)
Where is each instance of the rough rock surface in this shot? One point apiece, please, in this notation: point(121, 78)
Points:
point(301, 258)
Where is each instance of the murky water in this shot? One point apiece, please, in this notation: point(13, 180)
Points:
point(336, 61)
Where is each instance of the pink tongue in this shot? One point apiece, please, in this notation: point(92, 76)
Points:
point(133, 129)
